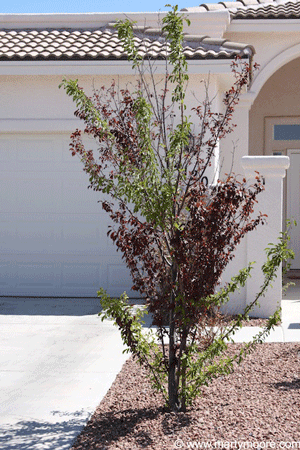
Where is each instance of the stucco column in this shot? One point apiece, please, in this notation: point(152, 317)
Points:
point(236, 143)
point(232, 149)
point(273, 169)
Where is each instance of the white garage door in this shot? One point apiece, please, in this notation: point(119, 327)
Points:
point(52, 230)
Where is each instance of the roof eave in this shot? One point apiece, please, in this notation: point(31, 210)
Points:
point(104, 67)
point(264, 25)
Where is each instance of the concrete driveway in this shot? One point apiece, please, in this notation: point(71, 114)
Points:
point(57, 361)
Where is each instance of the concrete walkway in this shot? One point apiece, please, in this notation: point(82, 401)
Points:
point(289, 330)
point(57, 361)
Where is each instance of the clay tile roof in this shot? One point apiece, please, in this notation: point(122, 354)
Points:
point(101, 44)
point(213, 6)
point(270, 10)
point(254, 9)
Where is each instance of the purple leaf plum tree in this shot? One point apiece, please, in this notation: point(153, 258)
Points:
point(176, 232)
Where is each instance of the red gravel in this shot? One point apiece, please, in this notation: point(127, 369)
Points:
point(251, 322)
point(257, 406)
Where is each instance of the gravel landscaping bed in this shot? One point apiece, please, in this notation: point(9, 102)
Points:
point(257, 406)
point(251, 322)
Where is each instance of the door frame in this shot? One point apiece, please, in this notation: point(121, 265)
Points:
point(293, 185)
point(282, 147)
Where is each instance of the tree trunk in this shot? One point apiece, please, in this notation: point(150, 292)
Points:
point(172, 385)
point(181, 371)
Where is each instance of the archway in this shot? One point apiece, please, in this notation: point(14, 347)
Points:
point(274, 129)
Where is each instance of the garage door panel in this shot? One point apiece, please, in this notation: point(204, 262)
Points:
point(35, 237)
point(77, 197)
point(70, 277)
point(38, 150)
point(53, 238)
point(25, 233)
point(39, 196)
point(36, 275)
point(8, 195)
point(47, 233)
point(7, 151)
point(117, 278)
point(8, 275)
point(30, 194)
point(81, 236)
point(7, 235)
point(80, 275)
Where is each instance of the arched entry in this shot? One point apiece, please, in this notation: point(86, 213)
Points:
point(274, 129)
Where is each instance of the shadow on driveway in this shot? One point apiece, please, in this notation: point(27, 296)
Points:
point(34, 435)
point(56, 306)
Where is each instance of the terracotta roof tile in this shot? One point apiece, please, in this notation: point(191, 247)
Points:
point(272, 10)
point(105, 44)
point(254, 9)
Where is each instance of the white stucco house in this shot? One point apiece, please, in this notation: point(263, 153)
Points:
point(52, 231)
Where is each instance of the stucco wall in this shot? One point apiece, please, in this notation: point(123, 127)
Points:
point(38, 96)
point(35, 103)
point(267, 44)
point(279, 96)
